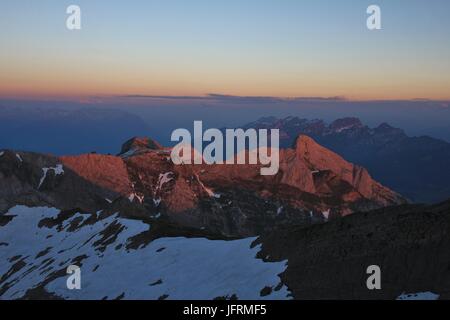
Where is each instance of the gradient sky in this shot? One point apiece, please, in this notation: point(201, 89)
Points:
point(280, 48)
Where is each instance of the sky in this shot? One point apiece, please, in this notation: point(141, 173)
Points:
point(279, 48)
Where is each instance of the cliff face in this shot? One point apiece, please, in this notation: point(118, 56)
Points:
point(313, 184)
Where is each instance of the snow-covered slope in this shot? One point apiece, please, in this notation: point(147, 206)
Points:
point(38, 244)
point(421, 296)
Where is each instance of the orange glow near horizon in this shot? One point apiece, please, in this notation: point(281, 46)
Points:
point(59, 91)
point(242, 48)
point(60, 79)
point(23, 77)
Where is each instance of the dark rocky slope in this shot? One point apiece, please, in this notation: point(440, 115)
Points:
point(410, 243)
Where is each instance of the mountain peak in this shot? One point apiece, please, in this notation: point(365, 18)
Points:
point(318, 156)
point(139, 144)
point(387, 129)
point(319, 159)
point(304, 140)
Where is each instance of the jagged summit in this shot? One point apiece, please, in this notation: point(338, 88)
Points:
point(138, 145)
point(328, 168)
point(388, 130)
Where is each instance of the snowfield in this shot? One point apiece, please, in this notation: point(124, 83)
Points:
point(36, 248)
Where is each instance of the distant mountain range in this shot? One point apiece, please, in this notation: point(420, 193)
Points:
point(416, 167)
point(65, 131)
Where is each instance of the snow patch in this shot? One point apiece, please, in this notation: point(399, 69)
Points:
point(326, 214)
point(339, 130)
point(58, 170)
point(129, 153)
point(209, 191)
point(194, 268)
point(134, 196)
point(419, 296)
point(19, 157)
point(164, 178)
point(157, 202)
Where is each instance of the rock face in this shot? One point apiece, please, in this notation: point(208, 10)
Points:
point(409, 243)
point(312, 184)
point(107, 172)
point(416, 167)
point(41, 180)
